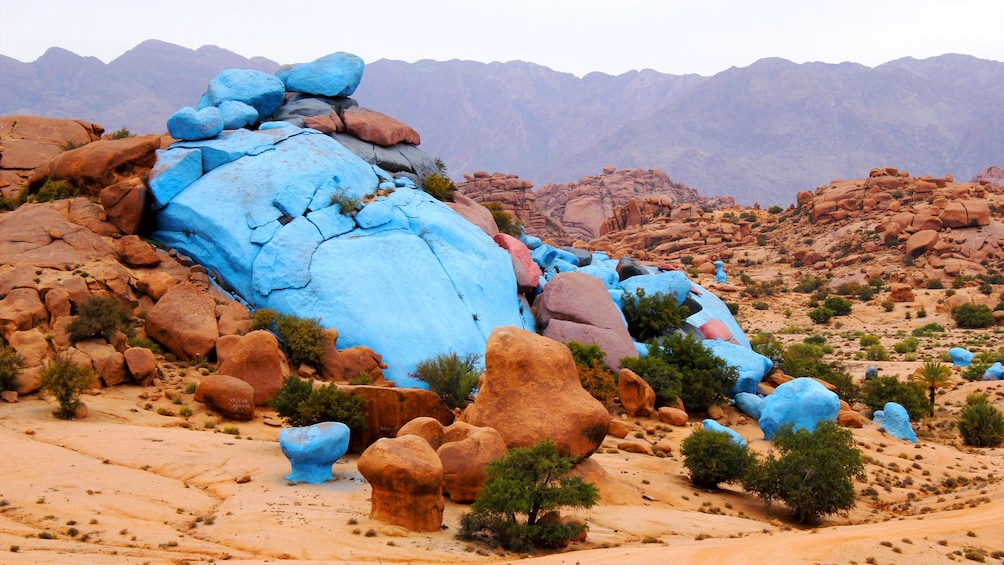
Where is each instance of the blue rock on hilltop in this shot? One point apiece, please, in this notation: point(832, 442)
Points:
point(337, 74)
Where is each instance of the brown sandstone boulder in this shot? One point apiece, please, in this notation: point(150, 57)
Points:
point(388, 409)
point(531, 391)
point(635, 446)
point(673, 416)
point(234, 319)
point(921, 242)
point(233, 398)
point(47, 235)
point(346, 365)
point(377, 128)
point(407, 479)
point(57, 302)
point(900, 292)
point(21, 310)
point(577, 307)
point(142, 365)
point(429, 429)
point(850, 419)
point(137, 253)
point(99, 164)
point(465, 463)
point(225, 345)
point(474, 213)
point(109, 364)
point(31, 345)
point(184, 321)
point(636, 395)
point(256, 360)
point(125, 203)
point(19, 277)
point(618, 428)
point(325, 123)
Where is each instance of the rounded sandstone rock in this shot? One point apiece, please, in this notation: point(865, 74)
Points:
point(407, 480)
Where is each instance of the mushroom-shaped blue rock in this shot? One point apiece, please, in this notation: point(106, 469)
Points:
point(896, 421)
point(720, 275)
point(261, 91)
point(312, 450)
point(191, 124)
point(961, 357)
point(749, 404)
point(751, 365)
point(337, 74)
point(714, 426)
point(802, 402)
point(994, 373)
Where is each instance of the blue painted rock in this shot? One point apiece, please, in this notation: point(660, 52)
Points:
point(312, 450)
point(337, 74)
point(278, 215)
point(896, 421)
point(802, 402)
point(994, 373)
point(261, 91)
point(713, 426)
point(752, 366)
point(749, 404)
point(191, 124)
point(961, 357)
point(720, 275)
point(237, 114)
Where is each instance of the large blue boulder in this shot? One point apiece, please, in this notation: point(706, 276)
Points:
point(714, 317)
point(674, 283)
point(752, 366)
point(261, 91)
point(405, 275)
point(713, 426)
point(961, 357)
point(191, 124)
point(312, 450)
point(802, 402)
point(895, 420)
point(237, 114)
point(337, 74)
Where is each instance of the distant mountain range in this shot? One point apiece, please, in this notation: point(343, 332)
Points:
point(759, 133)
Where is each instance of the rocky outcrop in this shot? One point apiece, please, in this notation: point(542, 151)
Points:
point(531, 391)
point(184, 321)
point(28, 142)
point(388, 409)
point(465, 461)
point(992, 176)
point(636, 395)
point(407, 480)
point(256, 360)
point(584, 205)
point(516, 196)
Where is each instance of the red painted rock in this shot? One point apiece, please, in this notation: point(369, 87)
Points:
point(256, 360)
point(142, 365)
point(637, 396)
point(230, 396)
point(407, 480)
point(184, 321)
point(521, 253)
point(125, 203)
point(388, 409)
point(577, 307)
point(378, 128)
point(137, 253)
point(531, 391)
point(465, 463)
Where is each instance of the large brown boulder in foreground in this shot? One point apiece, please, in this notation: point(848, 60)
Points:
point(407, 481)
point(531, 391)
point(184, 321)
point(256, 360)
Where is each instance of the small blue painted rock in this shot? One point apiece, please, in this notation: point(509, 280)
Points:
point(896, 422)
point(312, 450)
point(713, 426)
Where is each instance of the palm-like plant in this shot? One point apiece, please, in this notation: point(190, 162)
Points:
point(933, 375)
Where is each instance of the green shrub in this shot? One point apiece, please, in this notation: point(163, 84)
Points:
point(877, 352)
point(439, 187)
point(927, 330)
point(9, 203)
point(810, 471)
point(67, 381)
point(100, 316)
point(733, 308)
point(806, 360)
point(596, 378)
point(300, 404)
point(808, 285)
point(839, 305)
point(302, 339)
point(981, 423)
point(908, 345)
point(820, 315)
point(120, 134)
point(888, 305)
point(775, 209)
point(713, 458)
point(11, 364)
point(868, 340)
point(652, 316)
point(347, 203)
point(910, 395)
point(759, 305)
point(934, 284)
point(504, 220)
point(975, 371)
point(53, 189)
point(704, 378)
point(769, 346)
point(520, 489)
point(973, 316)
point(451, 376)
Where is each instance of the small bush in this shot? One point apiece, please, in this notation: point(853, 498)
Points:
point(67, 381)
point(11, 364)
point(810, 471)
point(927, 330)
point(820, 315)
point(868, 340)
point(504, 220)
point(652, 316)
point(713, 458)
point(53, 189)
point(908, 345)
point(451, 376)
point(981, 424)
point(973, 316)
point(808, 285)
point(302, 339)
point(520, 489)
point(680, 360)
point(347, 203)
point(439, 187)
point(120, 134)
point(596, 378)
point(877, 352)
point(838, 305)
point(910, 395)
point(302, 405)
point(733, 308)
point(100, 316)
point(934, 284)
point(975, 371)
point(759, 305)
point(888, 305)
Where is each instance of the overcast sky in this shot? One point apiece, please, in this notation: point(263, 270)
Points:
point(576, 36)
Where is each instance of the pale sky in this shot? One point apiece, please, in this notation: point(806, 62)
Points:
point(576, 36)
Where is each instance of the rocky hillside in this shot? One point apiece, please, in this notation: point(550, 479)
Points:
point(758, 133)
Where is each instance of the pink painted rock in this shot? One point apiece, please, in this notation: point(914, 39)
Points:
point(474, 213)
point(137, 253)
point(125, 203)
point(637, 396)
point(377, 128)
point(921, 242)
point(465, 463)
point(531, 391)
point(520, 253)
point(230, 396)
point(577, 307)
point(142, 365)
point(256, 360)
point(184, 321)
point(407, 480)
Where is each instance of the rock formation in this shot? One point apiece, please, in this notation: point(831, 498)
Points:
point(407, 480)
point(312, 450)
point(516, 197)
